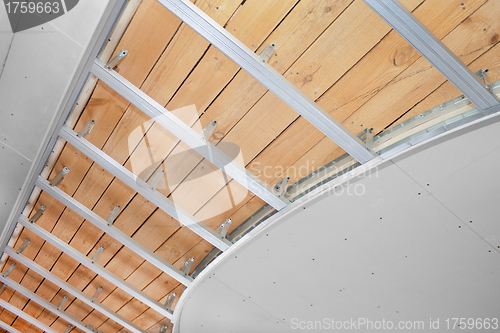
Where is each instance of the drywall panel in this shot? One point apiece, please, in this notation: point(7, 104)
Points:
point(79, 23)
point(389, 251)
point(228, 309)
point(40, 66)
point(6, 36)
point(13, 170)
point(468, 194)
point(434, 162)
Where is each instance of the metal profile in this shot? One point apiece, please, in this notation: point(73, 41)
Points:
point(8, 328)
point(268, 76)
point(141, 187)
point(20, 313)
point(186, 134)
point(72, 290)
point(112, 231)
point(87, 262)
point(431, 48)
point(46, 304)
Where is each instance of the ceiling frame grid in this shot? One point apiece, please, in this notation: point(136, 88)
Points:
point(266, 75)
point(72, 290)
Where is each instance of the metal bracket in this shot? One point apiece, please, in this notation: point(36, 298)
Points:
point(186, 268)
point(2, 288)
point(209, 130)
point(11, 268)
point(38, 214)
point(96, 294)
point(62, 303)
point(23, 246)
point(224, 227)
point(97, 254)
point(163, 329)
point(86, 129)
point(157, 179)
point(266, 53)
point(69, 328)
point(116, 60)
point(366, 135)
point(170, 301)
point(59, 177)
point(112, 216)
point(281, 187)
point(482, 75)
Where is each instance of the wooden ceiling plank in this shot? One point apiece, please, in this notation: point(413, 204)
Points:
point(87, 262)
point(99, 222)
point(75, 292)
point(251, 24)
point(26, 317)
point(21, 301)
point(432, 49)
point(398, 97)
point(390, 58)
point(447, 91)
point(46, 304)
point(8, 328)
point(87, 237)
point(288, 39)
point(192, 139)
point(142, 188)
point(329, 100)
point(246, 59)
point(305, 23)
point(148, 34)
point(199, 252)
point(184, 52)
point(119, 192)
point(16, 299)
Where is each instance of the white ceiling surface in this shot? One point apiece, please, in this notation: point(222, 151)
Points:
point(6, 36)
point(404, 250)
point(40, 65)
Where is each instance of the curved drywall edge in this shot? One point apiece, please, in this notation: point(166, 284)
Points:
point(279, 217)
